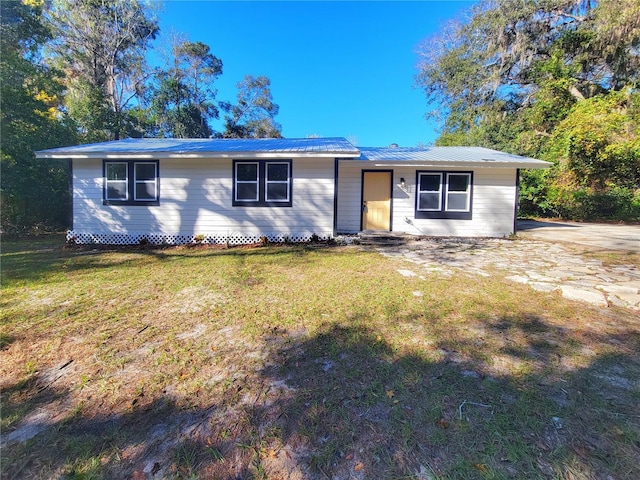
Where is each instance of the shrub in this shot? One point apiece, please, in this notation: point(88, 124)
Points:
point(199, 238)
point(614, 203)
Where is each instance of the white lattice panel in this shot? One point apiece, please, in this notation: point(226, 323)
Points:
point(160, 239)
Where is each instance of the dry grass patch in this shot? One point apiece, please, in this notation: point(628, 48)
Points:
point(616, 258)
point(301, 362)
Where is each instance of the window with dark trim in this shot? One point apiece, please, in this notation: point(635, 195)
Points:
point(262, 183)
point(444, 194)
point(131, 182)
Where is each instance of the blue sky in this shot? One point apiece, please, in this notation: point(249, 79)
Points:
point(336, 68)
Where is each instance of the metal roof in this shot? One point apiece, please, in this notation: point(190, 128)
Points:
point(204, 147)
point(293, 147)
point(472, 156)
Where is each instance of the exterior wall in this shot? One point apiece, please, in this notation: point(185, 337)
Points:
point(493, 202)
point(196, 200)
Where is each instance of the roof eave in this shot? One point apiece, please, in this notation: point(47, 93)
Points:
point(449, 163)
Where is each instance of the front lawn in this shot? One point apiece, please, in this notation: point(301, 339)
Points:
point(303, 362)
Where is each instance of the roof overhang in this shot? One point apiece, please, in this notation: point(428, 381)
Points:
point(458, 164)
point(438, 157)
point(295, 148)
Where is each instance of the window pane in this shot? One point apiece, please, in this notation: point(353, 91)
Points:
point(116, 171)
point(429, 201)
point(246, 172)
point(146, 191)
point(247, 191)
point(277, 192)
point(116, 190)
point(429, 183)
point(277, 172)
point(458, 183)
point(457, 201)
point(145, 171)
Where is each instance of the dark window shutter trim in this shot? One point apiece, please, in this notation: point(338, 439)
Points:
point(262, 185)
point(130, 184)
point(442, 213)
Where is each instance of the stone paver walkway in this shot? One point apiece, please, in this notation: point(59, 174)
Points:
point(544, 266)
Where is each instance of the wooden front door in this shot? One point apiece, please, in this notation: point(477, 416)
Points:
point(376, 201)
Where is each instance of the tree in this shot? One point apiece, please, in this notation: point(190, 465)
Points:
point(532, 78)
point(253, 114)
point(616, 40)
point(34, 192)
point(101, 46)
point(183, 99)
point(597, 148)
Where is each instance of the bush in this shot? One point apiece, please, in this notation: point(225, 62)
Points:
point(534, 195)
point(614, 203)
point(557, 193)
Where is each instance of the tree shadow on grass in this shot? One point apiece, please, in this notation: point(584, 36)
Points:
point(36, 260)
point(161, 438)
point(358, 409)
point(344, 403)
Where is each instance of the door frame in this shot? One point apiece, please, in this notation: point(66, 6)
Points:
point(390, 172)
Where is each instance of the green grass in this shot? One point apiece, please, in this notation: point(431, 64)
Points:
point(277, 362)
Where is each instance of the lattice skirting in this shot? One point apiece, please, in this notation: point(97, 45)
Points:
point(162, 239)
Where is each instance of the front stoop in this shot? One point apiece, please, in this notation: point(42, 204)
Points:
point(382, 238)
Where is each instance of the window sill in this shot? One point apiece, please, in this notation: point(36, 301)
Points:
point(444, 215)
point(239, 203)
point(130, 203)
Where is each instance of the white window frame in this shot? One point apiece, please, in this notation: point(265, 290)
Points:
point(467, 193)
point(255, 182)
point(439, 192)
point(154, 182)
point(108, 182)
point(268, 182)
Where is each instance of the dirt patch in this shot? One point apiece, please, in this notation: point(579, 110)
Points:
point(193, 300)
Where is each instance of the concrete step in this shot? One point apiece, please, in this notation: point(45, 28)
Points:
point(376, 238)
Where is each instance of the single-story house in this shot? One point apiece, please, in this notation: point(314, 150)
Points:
point(239, 190)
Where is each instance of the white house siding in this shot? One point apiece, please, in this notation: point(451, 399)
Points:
point(493, 202)
point(196, 200)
